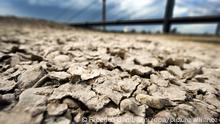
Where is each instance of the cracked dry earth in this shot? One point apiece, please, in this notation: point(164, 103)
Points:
point(59, 76)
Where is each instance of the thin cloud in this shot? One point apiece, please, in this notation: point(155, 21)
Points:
point(137, 9)
point(196, 7)
point(76, 4)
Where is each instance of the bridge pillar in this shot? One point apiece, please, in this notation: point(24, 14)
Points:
point(103, 12)
point(168, 15)
point(218, 29)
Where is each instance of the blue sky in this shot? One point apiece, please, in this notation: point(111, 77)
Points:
point(67, 11)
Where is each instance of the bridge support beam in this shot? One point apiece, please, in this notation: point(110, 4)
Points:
point(168, 16)
point(217, 32)
point(103, 12)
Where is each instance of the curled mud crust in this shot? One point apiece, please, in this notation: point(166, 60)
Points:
point(68, 76)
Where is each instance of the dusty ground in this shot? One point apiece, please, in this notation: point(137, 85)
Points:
point(62, 76)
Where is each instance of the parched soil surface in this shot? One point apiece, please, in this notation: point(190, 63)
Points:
point(62, 76)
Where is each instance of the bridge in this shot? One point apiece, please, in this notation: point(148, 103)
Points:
point(166, 21)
